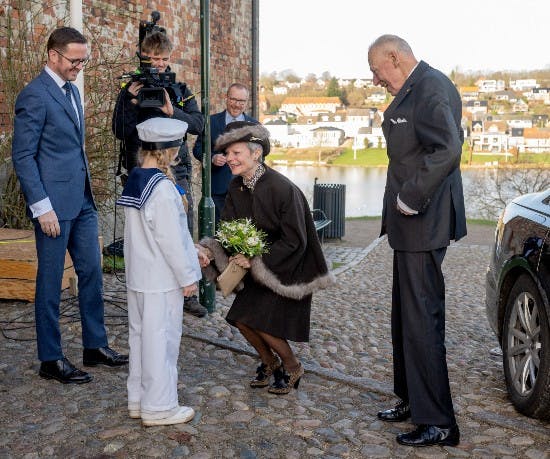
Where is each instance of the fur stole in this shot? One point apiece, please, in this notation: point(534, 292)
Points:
point(261, 274)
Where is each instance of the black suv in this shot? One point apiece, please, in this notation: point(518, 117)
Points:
point(517, 294)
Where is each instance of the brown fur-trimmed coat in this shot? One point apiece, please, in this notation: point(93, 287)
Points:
point(276, 295)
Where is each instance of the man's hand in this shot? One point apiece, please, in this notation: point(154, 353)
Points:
point(167, 108)
point(190, 290)
point(218, 159)
point(49, 224)
point(134, 89)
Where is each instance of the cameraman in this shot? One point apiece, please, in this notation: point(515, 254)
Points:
point(127, 114)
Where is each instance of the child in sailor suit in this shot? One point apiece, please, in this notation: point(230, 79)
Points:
point(162, 266)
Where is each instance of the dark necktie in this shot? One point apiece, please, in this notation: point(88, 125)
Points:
point(68, 90)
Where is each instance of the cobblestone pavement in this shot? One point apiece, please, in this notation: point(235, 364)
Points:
point(332, 414)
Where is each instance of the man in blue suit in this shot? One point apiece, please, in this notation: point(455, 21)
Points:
point(235, 102)
point(49, 159)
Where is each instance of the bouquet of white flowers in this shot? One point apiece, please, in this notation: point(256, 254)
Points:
point(238, 236)
point(241, 236)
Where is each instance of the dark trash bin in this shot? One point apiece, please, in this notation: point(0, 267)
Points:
point(331, 199)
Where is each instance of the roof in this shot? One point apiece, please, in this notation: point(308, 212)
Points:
point(536, 133)
point(311, 100)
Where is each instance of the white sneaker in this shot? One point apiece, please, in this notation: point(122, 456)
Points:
point(185, 414)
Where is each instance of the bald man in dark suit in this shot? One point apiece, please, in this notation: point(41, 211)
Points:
point(423, 211)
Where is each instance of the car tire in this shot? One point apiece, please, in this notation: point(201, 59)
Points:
point(526, 349)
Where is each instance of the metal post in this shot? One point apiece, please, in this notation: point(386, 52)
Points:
point(207, 290)
point(255, 58)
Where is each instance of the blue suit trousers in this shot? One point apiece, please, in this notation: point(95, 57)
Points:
point(80, 237)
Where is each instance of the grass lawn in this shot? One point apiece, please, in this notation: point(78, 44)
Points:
point(371, 157)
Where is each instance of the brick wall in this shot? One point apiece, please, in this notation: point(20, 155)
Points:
point(113, 26)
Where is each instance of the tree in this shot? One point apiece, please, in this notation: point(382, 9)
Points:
point(492, 189)
point(268, 80)
point(311, 78)
point(333, 89)
point(325, 76)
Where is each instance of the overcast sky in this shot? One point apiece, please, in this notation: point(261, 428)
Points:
point(313, 36)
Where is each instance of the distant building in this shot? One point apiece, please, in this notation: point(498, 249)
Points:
point(309, 106)
point(490, 85)
point(468, 93)
point(377, 97)
point(280, 90)
point(476, 106)
point(328, 136)
point(522, 85)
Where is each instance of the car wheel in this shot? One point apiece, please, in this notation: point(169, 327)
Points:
point(526, 349)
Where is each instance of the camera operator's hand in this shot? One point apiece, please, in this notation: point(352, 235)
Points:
point(167, 108)
point(134, 89)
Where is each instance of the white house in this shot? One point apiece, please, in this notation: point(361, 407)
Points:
point(377, 97)
point(522, 85)
point(327, 136)
point(280, 90)
point(490, 85)
point(309, 106)
point(476, 106)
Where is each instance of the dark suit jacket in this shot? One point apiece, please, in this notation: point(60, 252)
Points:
point(48, 147)
point(221, 175)
point(424, 138)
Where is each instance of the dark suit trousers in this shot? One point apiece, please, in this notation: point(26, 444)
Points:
point(80, 237)
point(418, 336)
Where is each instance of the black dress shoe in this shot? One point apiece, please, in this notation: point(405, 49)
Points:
point(426, 435)
point(103, 356)
point(401, 412)
point(64, 371)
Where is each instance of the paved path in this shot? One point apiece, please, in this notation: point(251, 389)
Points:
point(332, 415)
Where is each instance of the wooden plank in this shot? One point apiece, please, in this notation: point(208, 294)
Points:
point(18, 265)
point(23, 289)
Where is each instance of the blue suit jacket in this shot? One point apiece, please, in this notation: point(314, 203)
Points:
point(48, 147)
point(220, 175)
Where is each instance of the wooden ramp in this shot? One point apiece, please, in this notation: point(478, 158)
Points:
point(18, 265)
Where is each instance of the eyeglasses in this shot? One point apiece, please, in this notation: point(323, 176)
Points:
point(74, 62)
point(238, 101)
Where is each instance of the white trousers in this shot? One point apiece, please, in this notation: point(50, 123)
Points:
point(155, 327)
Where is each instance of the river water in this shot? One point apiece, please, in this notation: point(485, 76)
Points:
point(365, 186)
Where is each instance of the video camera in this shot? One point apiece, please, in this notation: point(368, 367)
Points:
point(154, 82)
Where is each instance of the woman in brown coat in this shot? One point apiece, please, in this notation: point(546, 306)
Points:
point(275, 303)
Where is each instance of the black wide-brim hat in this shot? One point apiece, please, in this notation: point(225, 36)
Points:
point(243, 131)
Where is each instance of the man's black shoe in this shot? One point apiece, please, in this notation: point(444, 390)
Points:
point(63, 371)
point(192, 306)
point(426, 435)
point(103, 356)
point(401, 412)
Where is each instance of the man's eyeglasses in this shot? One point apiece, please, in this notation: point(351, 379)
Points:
point(238, 101)
point(74, 62)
